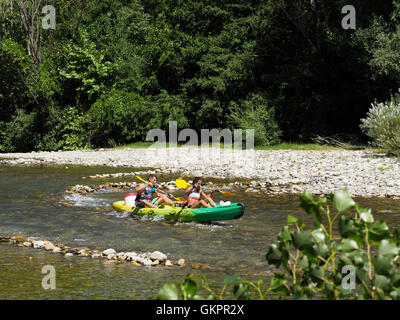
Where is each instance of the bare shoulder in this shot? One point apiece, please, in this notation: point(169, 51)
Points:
point(141, 186)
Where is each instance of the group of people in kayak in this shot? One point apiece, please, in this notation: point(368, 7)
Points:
point(149, 196)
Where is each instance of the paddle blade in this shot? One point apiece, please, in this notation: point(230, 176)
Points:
point(142, 180)
point(180, 199)
point(180, 183)
point(228, 194)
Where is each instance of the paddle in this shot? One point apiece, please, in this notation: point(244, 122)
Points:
point(183, 184)
point(146, 182)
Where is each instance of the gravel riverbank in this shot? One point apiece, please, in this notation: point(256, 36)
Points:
point(363, 172)
point(155, 258)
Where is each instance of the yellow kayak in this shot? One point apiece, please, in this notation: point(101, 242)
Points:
point(220, 212)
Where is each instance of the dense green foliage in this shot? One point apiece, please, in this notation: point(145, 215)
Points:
point(358, 261)
point(112, 69)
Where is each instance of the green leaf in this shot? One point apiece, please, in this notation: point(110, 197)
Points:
point(278, 284)
point(344, 259)
point(342, 201)
point(168, 292)
point(303, 262)
point(348, 245)
point(388, 249)
point(189, 288)
point(317, 218)
point(321, 249)
point(383, 265)
point(396, 236)
point(378, 231)
point(395, 294)
point(319, 235)
point(366, 215)
point(358, 239)
point(317, 272)
point(302, 239)
point(382, 282)
point(274, 255)
point(362, 273)
point(300, 293)
point(349, 227)
point(396, 279)
point(291, 219)
point(241, 291)
point(358, 257)
point(231, 279)
point(285, 235)
point(308, 203)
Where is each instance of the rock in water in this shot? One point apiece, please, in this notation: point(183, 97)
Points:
point(49, 246)
point(111, 256)
point(147, 262)
point(168, 263)
point(157, 255)
point(39, 244)
point(109, 251)
point(18, 238)
point(121, 256)
point(181, 262)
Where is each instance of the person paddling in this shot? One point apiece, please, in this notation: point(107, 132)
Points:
point(147, 191)
point(195, 193)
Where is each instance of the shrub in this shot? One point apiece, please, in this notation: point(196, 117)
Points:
point(121, 117)
point(383, 124)
point(254, 113)
point(67, 129)
point(18, 134)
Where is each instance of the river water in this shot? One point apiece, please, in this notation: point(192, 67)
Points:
point(33, 204)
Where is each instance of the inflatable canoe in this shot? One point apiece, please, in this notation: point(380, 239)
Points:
point(218, 213)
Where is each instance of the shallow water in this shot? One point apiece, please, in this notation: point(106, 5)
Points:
point(33, 204)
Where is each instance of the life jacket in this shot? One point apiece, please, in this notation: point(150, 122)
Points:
point(195, 194)
point(148, 193)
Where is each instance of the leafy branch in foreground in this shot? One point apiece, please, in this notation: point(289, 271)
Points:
point(316, 264)
point(360, 264)
point(188, 289)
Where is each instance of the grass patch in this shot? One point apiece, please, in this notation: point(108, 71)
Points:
point(279, 146)
point(298, 146)
point(309, 146)
point(135, 145)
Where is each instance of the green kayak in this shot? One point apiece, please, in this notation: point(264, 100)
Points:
point(218, 213)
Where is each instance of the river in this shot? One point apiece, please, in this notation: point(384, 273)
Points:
point(33, 204)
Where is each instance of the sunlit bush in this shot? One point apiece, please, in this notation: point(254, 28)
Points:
point(383, 124)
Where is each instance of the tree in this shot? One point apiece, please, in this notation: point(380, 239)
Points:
point(29, 13)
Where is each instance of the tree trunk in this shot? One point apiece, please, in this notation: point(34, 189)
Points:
point(29, 15)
